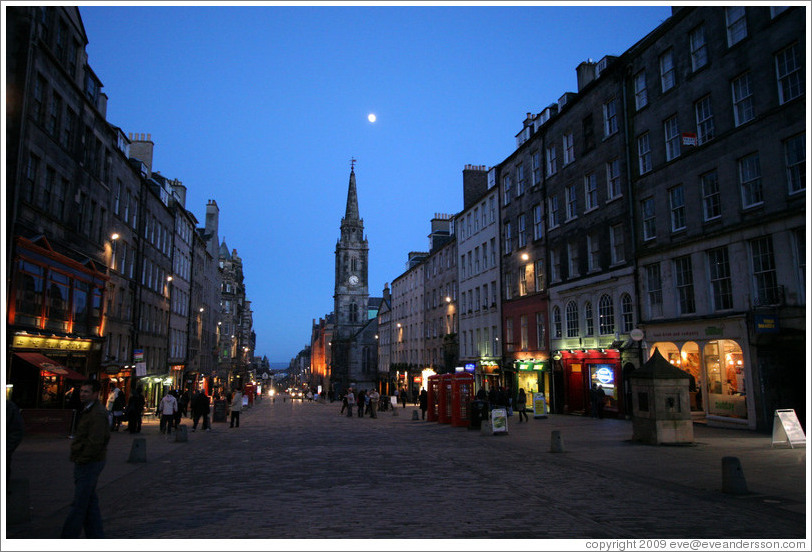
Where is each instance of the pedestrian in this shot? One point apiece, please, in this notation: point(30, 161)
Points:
point(200, 409)
point(593, 400)
point(183, 403)
point(601, 400)
point(424, 403)
point(118, 409)
point(167, 408)
point(176, 416)
point(350, 402)
point(236, 407)
point(135, 410)
point(112, 395)
point(521, 405)
point(14, 432)
point(362, 402)
point(343, 403)
point(403, 397)
point(492, 398)
point(374, 397)
point(88, 452)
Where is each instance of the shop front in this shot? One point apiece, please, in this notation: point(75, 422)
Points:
point(584, 368)
point(487, 374)
point(534, 377)
point(714, 353)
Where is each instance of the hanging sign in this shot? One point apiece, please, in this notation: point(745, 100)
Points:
point(787, 429)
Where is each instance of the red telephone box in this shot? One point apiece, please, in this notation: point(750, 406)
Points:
point(433, 395)
point(462, 391)
point(444, 399)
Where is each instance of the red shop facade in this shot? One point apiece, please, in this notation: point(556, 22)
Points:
point(582, 368)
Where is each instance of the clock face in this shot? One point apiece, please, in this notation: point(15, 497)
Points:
point(353, 280)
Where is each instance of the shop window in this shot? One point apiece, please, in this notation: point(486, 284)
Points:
point(57, 301)
point(28, 303)
point(726, 387)
point(689, 362)
point(668, 350)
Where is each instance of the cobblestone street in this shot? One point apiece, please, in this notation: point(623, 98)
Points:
point(300, 470)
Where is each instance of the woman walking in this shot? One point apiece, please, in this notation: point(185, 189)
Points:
point(521, 405)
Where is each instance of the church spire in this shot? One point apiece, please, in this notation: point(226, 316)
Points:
point(351, 214)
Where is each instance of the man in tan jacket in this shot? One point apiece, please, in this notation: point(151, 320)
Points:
point(88, 452)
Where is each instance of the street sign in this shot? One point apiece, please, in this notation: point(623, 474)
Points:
point(636, 334)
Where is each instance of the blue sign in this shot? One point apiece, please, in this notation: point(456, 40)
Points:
point(605, 375)
point(470, 366)
point(766, 323)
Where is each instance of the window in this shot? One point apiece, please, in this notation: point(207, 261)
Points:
point(523, 337)
point(538, 223)
point(649, 218)
point(54, 115)
point(539, 273)
point(719, 275)
point(743, 110)
point(476, 219)
point(711, 200)
point(640, 91)
point(750, 180)
point(476, 260)
point(493, 251)
point(764, 277)
point(555, 267)
point(522, 281)
point(626, 313)
point(799, 241)
point(699, 48)
point(736, 24)
point(590, 192)
point(593, 252)
point(788, 71)
point(654, 286)
point(541, 332)
point(557, 321)
point(569, 149)
point(506, 184)
point(683, 278)
point(606, 315)
point(492, 204)
point(676, 199)
point(59, 198)
point(484, 255)
point(644, 153)
point(704, 120)
point(610, 117)
point(47, 189)
point(572, 255)
point(522, 223)
point(795, 159)
point(31, 177)
point(555, 216)
point(613, 179)
point(509, 335)
point(667, 70)
point(588, 129)
point(68, 129)
point(508, 238)
point(551, 166)
point(536, 160)
point(573, 329)
point(571, 202)
point(616, 245)
point(508, 285)
point(519, 180)
point(38, 111)
point(671, 132)
point(589, 319)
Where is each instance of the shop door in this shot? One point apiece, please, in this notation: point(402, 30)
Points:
point(575, 388)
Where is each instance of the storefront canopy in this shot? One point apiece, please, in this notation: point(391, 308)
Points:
point(42, 362)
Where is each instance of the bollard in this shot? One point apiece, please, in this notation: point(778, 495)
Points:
point(18, 501)
point(395, 412)
point(415, 415)
point(138, 451)
point(733, 481)
point(181, 435)
point(556, 442)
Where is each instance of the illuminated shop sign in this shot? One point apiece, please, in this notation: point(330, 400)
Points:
point(53, 343)
point(530, 366)
point(605, 375)
point(470, 366)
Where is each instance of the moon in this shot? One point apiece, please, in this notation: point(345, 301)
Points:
point(372, 118)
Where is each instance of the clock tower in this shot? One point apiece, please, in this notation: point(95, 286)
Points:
point(351, 296)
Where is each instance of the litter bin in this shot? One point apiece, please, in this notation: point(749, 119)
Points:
point(479, 412)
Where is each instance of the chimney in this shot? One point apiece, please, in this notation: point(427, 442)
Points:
point(585, 72)
point(179, 191)
point(141, 148)
point(212, 227)
point(474, 184)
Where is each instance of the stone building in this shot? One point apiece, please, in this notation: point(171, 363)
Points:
point(478, 270)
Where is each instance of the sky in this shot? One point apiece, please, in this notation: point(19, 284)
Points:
point(261, 107)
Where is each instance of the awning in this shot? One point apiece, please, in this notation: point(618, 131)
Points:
point(42, 362)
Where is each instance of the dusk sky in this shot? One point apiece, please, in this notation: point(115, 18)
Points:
point(261, 108)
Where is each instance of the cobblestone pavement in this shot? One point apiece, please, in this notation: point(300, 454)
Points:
point(301, 470)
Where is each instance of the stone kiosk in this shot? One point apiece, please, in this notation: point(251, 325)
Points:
point(661, 408)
